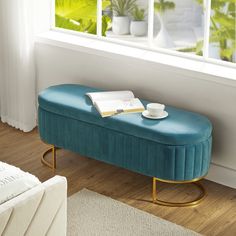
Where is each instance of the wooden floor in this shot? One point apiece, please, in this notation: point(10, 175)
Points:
point(216, 215)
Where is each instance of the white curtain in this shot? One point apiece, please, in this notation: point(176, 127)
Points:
point(17, 64)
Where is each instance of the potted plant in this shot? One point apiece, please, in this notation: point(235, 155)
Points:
point(138, 26)
point(121, 10)
point(163, 38)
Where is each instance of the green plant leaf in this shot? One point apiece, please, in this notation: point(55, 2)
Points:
point(77, 9)
point(223, 27)
point(105, 4)
point(65, 23)
point(162, 5)
point(78, 15)
point(226, 54)
point(122, 7)
point(106, 24)
point(138, 14)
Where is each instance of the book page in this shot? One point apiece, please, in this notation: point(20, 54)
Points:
point(111, 95)
point(112, 107)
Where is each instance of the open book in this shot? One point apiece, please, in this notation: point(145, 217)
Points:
point(115, 102)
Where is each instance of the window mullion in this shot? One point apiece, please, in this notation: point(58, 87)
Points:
point(207, 24)
point(99, 18)
point(150, 22)
point(53, 14)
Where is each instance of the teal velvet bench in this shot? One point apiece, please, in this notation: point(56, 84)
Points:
point(173, 150)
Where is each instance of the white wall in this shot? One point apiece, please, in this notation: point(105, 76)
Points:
point(156, 83)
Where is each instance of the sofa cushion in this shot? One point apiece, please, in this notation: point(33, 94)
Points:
point(179, 128)
point(14, 181)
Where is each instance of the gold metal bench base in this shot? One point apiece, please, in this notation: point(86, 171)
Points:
point(194, 202)
point(52, 165)
point(155, 200)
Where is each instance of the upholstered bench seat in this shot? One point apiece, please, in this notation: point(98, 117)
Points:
point(177, 148)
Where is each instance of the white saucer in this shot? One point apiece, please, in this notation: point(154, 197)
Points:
point(162, 116)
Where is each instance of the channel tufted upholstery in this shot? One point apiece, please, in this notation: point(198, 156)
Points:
point(37, 212)
point(176, 148)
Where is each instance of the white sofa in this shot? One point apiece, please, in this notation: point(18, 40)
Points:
point(39, 211)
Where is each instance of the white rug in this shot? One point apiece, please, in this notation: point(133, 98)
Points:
point(93, 214)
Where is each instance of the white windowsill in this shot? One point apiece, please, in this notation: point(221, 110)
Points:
point(208, 71)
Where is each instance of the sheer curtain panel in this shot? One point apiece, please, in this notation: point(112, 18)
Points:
point(17, 64)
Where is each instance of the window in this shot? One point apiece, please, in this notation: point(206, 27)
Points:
point(203, 28)
point(223, 30)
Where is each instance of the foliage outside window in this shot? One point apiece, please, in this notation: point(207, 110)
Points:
point(223, 28)
point(178, 24)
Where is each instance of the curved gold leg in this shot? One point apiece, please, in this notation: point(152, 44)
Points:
point(194, 202)
point(52, 150)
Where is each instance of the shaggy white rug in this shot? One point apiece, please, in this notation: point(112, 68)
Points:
point(93, 214)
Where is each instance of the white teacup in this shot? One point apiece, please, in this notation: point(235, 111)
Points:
point(155, 109)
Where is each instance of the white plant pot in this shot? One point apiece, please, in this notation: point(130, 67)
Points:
point(138, 28)
point(163, 38)
point(120, 25)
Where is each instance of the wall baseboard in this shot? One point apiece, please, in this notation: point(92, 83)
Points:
point(222, 175)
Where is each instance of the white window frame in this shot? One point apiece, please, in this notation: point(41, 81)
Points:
point(150, 46)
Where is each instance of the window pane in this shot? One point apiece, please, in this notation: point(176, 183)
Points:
point(222, 31)
point(179, 25)
point(125, 20)
point(78, 15)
